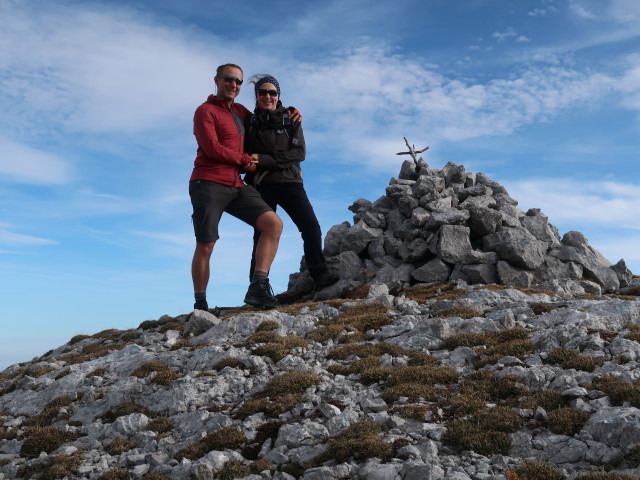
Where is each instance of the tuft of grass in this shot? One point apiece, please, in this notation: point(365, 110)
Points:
point(160, 425)
point(280, 395)
point(486, 432)
point(605, 476)
point(465, 340)
point(163, 376)
point(414, 412)
point(59, 466)
point(534, 471)
point(125, 408)
point(120, 445)
point(49, 412)
point(183, 343)
point(38, 439)
point(567, 358)
point(604, 334)
point(77, 338)
point(618, 390)
point(359, 318)
point(413, 391)
point(154, 476)
point(115, 474)
point(632, 457)
point(566, 421)
point(231, 362)
point(225, 438)
point(440, 291)
point(540, 307)
point(547, 399)
point(267, 325)
point(361, 441)
point(486, 385)
point(634, 333)
point(425, 374)
point(290, 382)
point(461, 312)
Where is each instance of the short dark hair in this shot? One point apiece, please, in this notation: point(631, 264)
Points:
point(222, 67)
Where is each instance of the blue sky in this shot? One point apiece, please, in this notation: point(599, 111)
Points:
point(96, 143)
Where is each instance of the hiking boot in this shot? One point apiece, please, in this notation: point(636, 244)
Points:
point(260, 294)
point(201, 305)
point(325, 279)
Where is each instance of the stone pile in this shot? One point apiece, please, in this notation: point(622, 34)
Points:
point(184, 397)
point(445, 225)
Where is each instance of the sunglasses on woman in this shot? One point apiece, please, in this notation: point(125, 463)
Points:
point(263, 91)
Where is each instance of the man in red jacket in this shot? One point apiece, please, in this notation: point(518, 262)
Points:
point(215, 186)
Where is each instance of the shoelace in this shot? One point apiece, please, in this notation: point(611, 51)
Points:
point(267, 286)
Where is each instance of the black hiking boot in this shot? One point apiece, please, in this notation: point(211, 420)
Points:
point(325, 279)
point(260, 294)
point(201, 305)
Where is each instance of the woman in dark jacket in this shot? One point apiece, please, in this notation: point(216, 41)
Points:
point(279, 145)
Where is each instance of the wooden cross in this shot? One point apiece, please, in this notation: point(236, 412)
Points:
point(412, 151)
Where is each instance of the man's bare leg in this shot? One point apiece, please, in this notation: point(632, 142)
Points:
point(200, 271)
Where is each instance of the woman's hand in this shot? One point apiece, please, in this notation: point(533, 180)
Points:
point(252, 165)
point(294, 114)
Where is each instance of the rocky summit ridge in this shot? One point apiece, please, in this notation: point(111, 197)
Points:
point(464, 340)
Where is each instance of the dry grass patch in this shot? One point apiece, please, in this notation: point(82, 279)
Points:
point(115, 474)
point(231, 362)
point(605, 476)
point(534, 471)
point(160, 425)
point(119, 445)
point(56, 467)
point(566, 421)
point(634, 333)
point(125, 408)
point(47, 439)
point(487, 386)
point(440, 291)
point(618, 390)
point(568, 358)
point(460, 312)
point(361, 441)
point(539, 308)
point(50, 412)
point(485, 432)
point(225, 438)
point(547, 399)
point(162, 374)
point(357, 319)
point(280, 395)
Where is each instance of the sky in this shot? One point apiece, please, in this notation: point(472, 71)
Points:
point(96, 144)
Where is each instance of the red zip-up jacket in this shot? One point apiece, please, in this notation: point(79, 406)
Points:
point(220, 136)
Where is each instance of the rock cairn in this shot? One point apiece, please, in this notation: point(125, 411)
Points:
point(448, 225)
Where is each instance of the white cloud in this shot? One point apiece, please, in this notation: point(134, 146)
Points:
point(572, 202)
point(502, 36)
point(24, 164)
point(9, 238)
point(580, 10)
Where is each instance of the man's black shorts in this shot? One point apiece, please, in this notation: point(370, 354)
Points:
point(210, 199)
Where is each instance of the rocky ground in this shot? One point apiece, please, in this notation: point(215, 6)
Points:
point(441, 381)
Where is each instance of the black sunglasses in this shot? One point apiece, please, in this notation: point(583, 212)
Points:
point(262, 92)
point(230, 79)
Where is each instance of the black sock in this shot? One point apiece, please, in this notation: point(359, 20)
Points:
point(200, 296)
point(259, 275)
